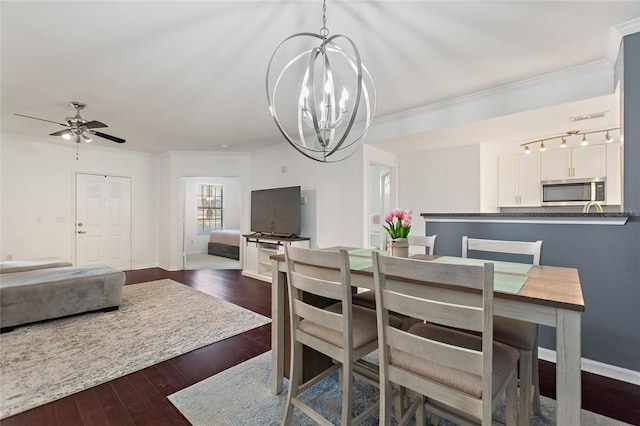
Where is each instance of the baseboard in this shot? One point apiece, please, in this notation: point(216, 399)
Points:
point(597, 367)
point(137, 267)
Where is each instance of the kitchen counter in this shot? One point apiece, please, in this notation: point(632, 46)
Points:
point(606, 218)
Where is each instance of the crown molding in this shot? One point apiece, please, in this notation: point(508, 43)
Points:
point(615, 37)
point(569, 73)
point(584, 81)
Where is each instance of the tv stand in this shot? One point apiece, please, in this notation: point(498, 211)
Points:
point(260, 247)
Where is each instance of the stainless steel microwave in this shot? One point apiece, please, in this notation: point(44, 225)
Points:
point(573, 192)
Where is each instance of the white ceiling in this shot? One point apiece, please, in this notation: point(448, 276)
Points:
point(190, 75)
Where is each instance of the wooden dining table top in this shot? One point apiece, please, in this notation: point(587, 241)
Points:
point(554, 286)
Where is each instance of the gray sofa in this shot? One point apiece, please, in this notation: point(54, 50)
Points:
point(42, 294)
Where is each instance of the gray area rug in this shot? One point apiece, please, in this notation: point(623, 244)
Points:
point(241, 396)
point(157, 320)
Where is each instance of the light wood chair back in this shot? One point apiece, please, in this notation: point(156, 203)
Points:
point(325, 274)
point(400, 286)
point(521, 335)
point(422, 244)
point(502, 246)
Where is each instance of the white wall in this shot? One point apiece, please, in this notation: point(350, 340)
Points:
point(174, 166)
point(38, 196)
point(198, 243)
point(333, 214)
point(439, 181)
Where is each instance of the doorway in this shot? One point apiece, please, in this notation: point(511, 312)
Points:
point(381, 199)
point(103, 220)
point(195, 253)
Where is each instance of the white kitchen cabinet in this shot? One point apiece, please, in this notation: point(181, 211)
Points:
point(519, 180)
point(578, 162)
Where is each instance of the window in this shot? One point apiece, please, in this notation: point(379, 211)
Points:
point(209, 211)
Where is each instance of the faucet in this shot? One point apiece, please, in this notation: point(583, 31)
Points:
point(592, 203)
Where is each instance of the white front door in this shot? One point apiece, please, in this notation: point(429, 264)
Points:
point(103, 220)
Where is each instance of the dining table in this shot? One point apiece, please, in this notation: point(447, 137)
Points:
point(542, 294)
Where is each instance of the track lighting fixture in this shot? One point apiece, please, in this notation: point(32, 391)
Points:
point(563, 144)
point(563, 138)
point(608, 138)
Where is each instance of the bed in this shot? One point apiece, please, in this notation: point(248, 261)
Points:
point(225, 243)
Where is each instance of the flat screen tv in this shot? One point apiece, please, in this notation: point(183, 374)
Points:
point(276, 211)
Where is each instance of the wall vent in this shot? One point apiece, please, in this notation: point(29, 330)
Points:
point(587, 116)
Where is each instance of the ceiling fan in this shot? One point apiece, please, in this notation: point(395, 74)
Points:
point(79, 128)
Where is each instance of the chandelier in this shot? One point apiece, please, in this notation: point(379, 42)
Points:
point(324, 99)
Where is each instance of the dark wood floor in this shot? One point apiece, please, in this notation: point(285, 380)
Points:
point(140, 398)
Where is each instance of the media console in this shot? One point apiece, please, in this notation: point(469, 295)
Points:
point(259, 249)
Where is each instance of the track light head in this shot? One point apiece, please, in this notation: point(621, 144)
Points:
point(608, 138)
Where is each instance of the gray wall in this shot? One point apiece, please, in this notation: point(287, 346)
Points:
point(631, 121)
point(606, 256)
point(607, 260)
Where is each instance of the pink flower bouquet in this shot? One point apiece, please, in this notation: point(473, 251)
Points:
point(398, 223)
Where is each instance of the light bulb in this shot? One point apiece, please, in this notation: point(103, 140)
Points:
point(563, 144)
point(527, 150)
point(608, 138)
point(328, 87)
point(584, 140)
point(304, 101)
point(542, 147)
point(67, 135)
point(343, 99)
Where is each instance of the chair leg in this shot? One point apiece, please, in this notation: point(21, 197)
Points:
point(347, 400)
point(386, 403)
point(294, 381)
point(511, 401)
point(420, 410)
point(526, 387)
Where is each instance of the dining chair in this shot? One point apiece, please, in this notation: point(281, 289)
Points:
point(418, 244)
point(457, 375)
point(522, 335)
point(341, 331)
point(422, 244)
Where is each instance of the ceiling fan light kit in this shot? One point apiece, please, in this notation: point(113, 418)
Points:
point(336, 95)
point(78, 128)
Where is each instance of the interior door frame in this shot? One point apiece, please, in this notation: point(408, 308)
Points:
point(392, 172)
point(184, 179)
point(74, 228)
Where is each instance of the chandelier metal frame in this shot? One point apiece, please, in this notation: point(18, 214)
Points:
point(330, 123)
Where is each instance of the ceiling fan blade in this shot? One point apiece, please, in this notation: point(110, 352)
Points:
point(104, 135)
point(60, 133)
point(94, 124)
point(42, 119)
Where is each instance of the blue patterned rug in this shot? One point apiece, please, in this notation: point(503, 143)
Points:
point(242, 395)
